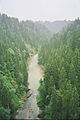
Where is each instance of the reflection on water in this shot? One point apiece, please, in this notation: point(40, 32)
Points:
point(30, 109)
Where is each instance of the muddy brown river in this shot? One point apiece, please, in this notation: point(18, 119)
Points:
point(30, 109)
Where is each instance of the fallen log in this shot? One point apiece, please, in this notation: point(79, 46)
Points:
point(29, 95)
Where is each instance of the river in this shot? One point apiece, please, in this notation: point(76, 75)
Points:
point(30, 109)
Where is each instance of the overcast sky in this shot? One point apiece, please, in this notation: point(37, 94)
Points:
point(41, 9)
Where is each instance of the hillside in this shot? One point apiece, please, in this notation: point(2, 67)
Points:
point(16, 39)
point(58, 54)
point(59, 91)
point(56, 26)
point(13, 68)
point(32, 32)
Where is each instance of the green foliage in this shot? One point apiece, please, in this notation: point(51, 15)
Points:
point(13, 66)
point(41, 98)
point(59, 91)
point(15, 39)
point(4, 113)
point(61, 60)
point(11, 51)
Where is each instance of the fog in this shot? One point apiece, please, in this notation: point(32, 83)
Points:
point(41, 9)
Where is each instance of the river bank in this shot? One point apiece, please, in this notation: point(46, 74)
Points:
point(30, 109)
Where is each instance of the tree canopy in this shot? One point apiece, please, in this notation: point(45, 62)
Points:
point(59, 91)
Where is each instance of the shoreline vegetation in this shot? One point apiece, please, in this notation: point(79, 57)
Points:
point(59, 91)
point(24, 97)
point(13, 57)
point(58, 57)
point(33, 83)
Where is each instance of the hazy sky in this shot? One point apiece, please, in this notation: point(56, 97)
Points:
point(41, 9)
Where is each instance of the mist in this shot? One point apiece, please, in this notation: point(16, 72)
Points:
point(50, 10)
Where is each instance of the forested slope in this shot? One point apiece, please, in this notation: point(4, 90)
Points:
point(32, 32)
point(13, 69)
point(13, 59)
point(59, 91)
point(56, 26)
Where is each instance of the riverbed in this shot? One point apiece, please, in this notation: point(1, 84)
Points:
point(30, 109)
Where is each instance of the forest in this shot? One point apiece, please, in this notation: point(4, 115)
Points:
point(14, 56)
point(13, 73)
point(59, 54)
point(59, 91)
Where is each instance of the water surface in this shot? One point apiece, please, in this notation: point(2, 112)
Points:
point(30, 109)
